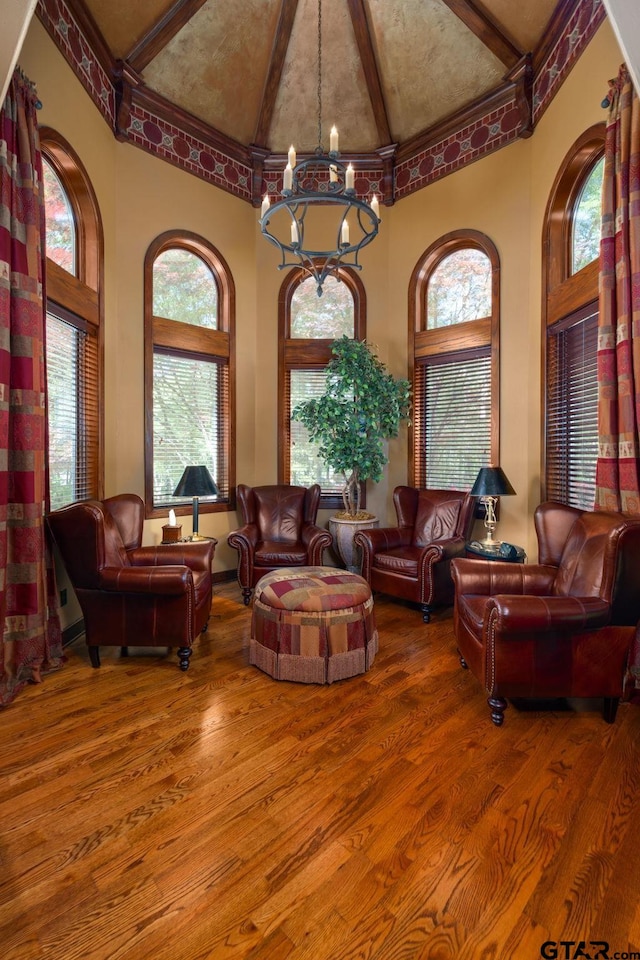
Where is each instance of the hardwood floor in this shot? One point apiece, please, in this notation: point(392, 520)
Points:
point(148, 814)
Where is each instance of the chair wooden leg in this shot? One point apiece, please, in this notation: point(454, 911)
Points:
point(246, 595)
point(426, 612)
point(183, 657)
point(498, 706)
point(610, 708)
point(94, 656)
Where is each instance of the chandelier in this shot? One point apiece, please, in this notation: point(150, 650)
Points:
point(320, 179)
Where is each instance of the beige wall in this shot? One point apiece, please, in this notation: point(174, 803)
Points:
point(503, 195)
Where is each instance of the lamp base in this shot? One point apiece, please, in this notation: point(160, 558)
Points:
point(490, 544)
point(197, 536)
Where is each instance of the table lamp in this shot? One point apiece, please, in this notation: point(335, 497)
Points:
point(196, 482)
point(490, 484)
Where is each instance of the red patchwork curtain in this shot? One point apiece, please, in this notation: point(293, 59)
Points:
point(28, 615)
point(618, 467)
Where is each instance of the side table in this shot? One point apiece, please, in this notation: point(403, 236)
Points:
point(507, 552)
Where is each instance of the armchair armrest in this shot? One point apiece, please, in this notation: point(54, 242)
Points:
point(316, 540)
point(172, 580)
point(244, 538)
point(491, 577)
point(447, 549)
point(513, 615)
point(196, 554)
point(379, 539)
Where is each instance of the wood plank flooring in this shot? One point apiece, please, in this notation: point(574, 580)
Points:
point(147, 814)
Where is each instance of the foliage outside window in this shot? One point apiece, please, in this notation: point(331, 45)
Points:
point(587, 220)
point(454, 340)
point(459, 289)
point(570, 318)
point(74, 270)
point(308, 325)
point(61, 227)
point(189, 301)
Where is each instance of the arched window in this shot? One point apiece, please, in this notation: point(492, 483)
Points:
point(454, 344)
point(189, 321)
point(570, 318)
point(307, 326)
point(74, 310)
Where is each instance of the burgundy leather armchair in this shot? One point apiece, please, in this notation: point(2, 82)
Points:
point(279, 531)
point(132, 595)
point(562, 627)
point(412, 560)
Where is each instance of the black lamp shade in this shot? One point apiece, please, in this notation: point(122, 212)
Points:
point(196, 482)
point(491, 482)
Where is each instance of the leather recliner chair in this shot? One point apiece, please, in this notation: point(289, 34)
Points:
point(131, 595)
point(279, 531)
point(559, 628)
point(411, 561)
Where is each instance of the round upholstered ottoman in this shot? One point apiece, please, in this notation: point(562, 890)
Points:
point(313, 625)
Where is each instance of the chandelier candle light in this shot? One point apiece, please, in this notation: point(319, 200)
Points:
point(320, 179)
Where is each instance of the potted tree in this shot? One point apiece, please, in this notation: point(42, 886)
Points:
point(362, 407)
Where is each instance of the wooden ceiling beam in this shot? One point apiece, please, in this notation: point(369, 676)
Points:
point(163, 30)
point(486, 30)
point(276, 64)
point(370, 67)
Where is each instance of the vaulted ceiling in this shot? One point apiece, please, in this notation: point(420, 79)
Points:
point(391, 69)
point(241, 76)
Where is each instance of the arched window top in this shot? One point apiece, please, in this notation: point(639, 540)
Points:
point(185, 288)
point(587, 219)
point(459, 288)
point(319, 318)
point(60, 221)
point(456, 280)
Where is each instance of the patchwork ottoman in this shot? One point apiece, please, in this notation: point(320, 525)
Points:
point(313, 625)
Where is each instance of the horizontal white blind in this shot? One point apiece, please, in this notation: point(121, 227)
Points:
point(452, 420)
point(190, 417)
point(73, 420)
point(305, 466)
point(572, 412)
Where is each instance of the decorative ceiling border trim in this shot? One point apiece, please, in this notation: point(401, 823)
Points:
point(567, 48)
point(480, 137)
point(73, 43)
point(504, 116)
point(152, 133)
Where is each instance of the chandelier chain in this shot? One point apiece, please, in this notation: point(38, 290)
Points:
point(320, 73)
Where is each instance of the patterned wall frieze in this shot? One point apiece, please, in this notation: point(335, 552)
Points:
point(366, 182)
point(501, 126)
point(182, 149)
point(75, 48)
point(580, 28)
point(477, 135)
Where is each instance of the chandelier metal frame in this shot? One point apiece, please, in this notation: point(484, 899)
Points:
point(320, 179)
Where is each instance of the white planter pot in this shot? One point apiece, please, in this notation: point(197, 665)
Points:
point(343, 531)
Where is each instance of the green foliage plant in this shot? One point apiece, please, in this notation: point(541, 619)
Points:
point(362, 406)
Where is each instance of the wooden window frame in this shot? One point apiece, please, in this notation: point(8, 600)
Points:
point(469, 337)
point(306, 353)
point(174, 336)
point(79, 299)
point(563, 293)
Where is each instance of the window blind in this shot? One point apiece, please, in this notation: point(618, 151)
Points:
point(572, 411)
point(190, 422)
point(305, 466)
point(452, 402)
point(72, 399)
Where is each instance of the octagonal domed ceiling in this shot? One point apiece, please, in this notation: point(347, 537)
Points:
point(391, 69)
